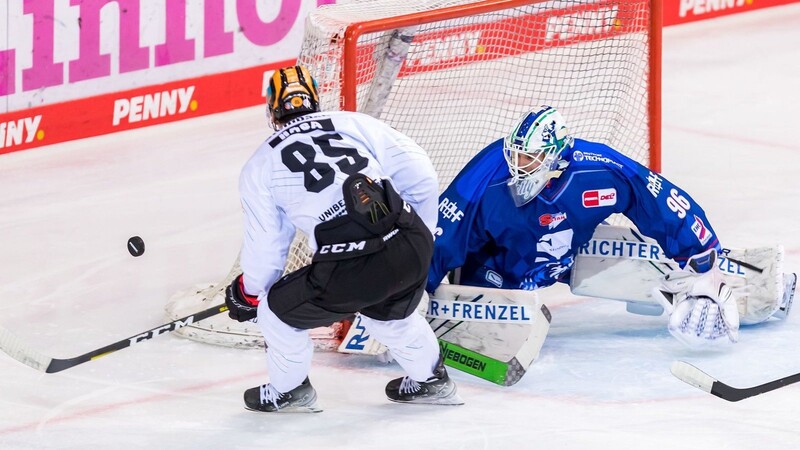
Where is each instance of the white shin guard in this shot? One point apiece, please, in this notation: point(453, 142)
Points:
point(289, 350)
point(410, 341)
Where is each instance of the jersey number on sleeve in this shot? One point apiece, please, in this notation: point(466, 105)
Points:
point(299, 157)
point(678, 203)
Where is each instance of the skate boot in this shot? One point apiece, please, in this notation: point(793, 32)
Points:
point(266, 398)
point(789, 285)
point(436, 390)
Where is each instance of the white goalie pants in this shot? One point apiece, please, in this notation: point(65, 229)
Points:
point(411, 343)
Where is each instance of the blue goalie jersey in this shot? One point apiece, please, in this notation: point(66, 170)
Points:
point(496, 244)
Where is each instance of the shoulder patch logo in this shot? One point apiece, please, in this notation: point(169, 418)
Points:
point(701, 231)
point(599, 197)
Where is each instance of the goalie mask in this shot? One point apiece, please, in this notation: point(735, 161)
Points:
point(533, 152)
point(292, 92)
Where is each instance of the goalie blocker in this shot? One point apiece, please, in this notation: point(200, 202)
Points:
point(621, 264)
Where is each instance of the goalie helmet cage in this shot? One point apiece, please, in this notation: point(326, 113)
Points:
point(455, 75)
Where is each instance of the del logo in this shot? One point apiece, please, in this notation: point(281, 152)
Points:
point(699, 229)
point(599, 197)
point(552, 220)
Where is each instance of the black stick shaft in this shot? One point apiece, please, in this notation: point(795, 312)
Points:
point(690, 374)
point(733, 394)
point(57, 365)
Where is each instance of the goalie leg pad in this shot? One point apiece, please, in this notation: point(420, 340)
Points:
point(621, 264)
point(757, 282)
point(497, 338)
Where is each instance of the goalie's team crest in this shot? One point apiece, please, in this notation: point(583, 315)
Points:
point(701, 231)
point(552, 220)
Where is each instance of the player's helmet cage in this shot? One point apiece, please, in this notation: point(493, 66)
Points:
point(292, 92)
point(533, 152)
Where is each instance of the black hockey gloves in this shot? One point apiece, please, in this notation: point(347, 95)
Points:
point(241, 307)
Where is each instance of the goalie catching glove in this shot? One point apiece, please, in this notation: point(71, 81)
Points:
point(701, 306)
point(241, 306)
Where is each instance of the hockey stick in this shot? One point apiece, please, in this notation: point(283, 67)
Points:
point(726, 254)
point(18, 350)
point(701, 380)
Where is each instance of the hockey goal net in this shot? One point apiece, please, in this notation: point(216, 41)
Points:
point(455, 75)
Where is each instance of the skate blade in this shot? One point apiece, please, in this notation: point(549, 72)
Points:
point(452, 400)
point(312, 408)
point(302, 409)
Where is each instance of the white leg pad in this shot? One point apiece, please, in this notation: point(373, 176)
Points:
point(621, 264)
point(289, 350)
point(411, 343)
point(758, 289)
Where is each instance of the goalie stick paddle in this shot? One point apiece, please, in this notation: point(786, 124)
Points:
point(701, 380)
point(20, 351)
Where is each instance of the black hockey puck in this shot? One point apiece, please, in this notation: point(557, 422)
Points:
point(136, 246)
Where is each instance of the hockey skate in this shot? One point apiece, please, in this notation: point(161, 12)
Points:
point(436, 390)
point(266, 398)
point(789, 285)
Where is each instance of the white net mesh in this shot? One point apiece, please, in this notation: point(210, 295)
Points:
point(466, 80)
point(458, 81)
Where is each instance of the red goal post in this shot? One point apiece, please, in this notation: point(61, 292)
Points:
point(455, 75)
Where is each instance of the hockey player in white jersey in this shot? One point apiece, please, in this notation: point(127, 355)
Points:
point(366, 196)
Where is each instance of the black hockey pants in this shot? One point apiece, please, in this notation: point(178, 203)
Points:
point(380, 273)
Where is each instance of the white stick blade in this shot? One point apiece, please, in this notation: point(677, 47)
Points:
point(692, 375)
point(16, 349)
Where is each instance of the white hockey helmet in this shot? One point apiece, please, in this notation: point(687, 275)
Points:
point(533, 152)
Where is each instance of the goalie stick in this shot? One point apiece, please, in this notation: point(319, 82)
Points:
point(20, 351)
point(703, 381)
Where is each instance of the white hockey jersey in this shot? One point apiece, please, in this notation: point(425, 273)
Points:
point(294, 182)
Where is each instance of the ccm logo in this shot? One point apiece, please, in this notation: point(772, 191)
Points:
point(599, 197)
point(343, 248)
